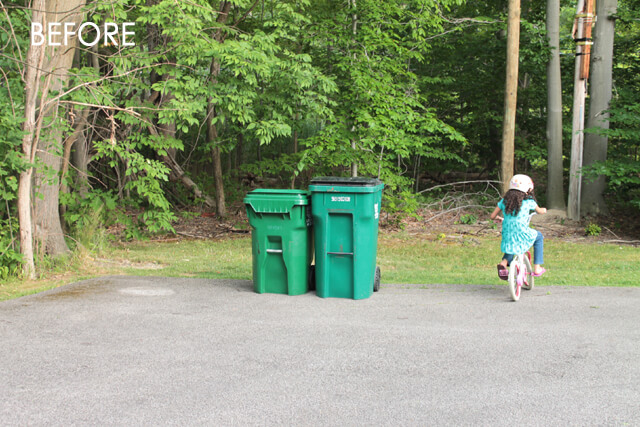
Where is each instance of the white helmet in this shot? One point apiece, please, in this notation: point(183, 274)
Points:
point(522, 183)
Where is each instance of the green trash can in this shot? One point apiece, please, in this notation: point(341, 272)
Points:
point(281, 240)
point(345, 220)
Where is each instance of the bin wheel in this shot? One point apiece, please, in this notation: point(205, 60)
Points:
point(376, 280)
point(311, 279)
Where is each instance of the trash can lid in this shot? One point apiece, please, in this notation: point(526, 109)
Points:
point(358, 181)
point(267, 200)
point(278, 191)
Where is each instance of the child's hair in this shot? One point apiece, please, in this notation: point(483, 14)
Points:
point(513, 201)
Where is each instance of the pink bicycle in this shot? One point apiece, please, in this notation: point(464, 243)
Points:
point(520, 275)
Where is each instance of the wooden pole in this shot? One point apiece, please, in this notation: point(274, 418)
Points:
point(511, 93)
point(579, 95)
point(587, 41)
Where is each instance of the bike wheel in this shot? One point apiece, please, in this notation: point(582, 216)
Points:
point(514, 288)
point(528, 279)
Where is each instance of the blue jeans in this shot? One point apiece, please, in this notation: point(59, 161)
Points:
point(538, 251)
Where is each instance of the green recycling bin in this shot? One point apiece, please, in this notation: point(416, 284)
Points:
point(281, 240)
point(345, 220)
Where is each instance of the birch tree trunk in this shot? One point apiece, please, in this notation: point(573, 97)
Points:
point(555, 186)
point(35, 57)
point(595, 146)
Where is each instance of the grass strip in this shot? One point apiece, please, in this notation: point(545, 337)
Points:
point(403, 259)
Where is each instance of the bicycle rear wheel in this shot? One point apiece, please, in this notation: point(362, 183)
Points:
point(528, 278)
point(514, 287)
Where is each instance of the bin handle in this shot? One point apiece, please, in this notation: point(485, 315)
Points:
point(340, 253)
point(274, 251)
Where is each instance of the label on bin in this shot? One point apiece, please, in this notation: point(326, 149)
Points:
point(375, 210)
point(340, 198)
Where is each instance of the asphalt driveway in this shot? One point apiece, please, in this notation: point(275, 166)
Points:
point(162, 351)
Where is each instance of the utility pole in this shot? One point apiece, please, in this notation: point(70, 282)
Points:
point(511, 93)
point(582, 37)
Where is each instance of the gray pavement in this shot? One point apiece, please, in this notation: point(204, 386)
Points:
point(162, 351)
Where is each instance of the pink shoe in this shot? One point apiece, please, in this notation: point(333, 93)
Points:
point(542, 271)
point(503, 273)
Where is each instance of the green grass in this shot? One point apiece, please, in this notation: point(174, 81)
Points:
point(207, 259)
point(411, 259)
point(406, 259)
point(403, 259)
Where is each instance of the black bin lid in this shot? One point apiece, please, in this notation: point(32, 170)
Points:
point(358, 181)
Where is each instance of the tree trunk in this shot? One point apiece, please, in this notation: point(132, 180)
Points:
point(47, 225)
point(239, 151)
point(295, 148)
point(82, 145)
point(177, 173)
point(80, 160)
point(76, 137)
point(169, 131)
point(212, 134)
point(511, 93)
point(212, 129)
point(354, 30)
point(595, 146)
point(35, 57)
point(555, 186)
point(577, 126)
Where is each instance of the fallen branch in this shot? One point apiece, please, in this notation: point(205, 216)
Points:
point(180, 174)
point(455, 209)
point(629, 242)
point(485, 227)
point(614, 234)
point(457, 183)
point(190, 235)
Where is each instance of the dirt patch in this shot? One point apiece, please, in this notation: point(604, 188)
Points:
point(210, 226)
point(122, 263)
point(619, 227)
point(553, 224)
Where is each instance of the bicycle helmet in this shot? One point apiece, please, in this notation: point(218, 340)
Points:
point(521, 182)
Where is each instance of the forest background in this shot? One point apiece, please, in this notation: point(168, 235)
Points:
point(218, 96)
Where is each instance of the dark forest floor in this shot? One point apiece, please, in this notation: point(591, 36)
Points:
point(620, 227)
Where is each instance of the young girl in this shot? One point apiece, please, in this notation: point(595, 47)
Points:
point(517, 236)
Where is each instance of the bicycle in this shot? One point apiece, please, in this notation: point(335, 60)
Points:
point(520, 273)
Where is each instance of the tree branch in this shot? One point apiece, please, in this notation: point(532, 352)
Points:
point(457, 183)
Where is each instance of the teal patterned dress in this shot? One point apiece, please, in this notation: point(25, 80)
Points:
point(517, 236)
